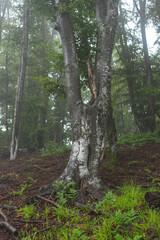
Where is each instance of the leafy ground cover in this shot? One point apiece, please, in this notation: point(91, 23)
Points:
point(122, 214)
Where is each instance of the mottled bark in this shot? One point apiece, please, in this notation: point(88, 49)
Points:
point(88, 120)
point(20, 86)
point(106, 13)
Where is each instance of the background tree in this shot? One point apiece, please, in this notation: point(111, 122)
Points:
point(141, 9)
point(130, 66)
point(127, 48)
point(20, 86)
point(44, 115)
point(3, 8)
point(8, 65)
point(39, 61)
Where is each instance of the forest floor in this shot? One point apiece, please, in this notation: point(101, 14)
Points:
point(24, 176)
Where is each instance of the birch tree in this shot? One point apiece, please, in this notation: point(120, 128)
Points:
point(20, 85)
point(89, 120)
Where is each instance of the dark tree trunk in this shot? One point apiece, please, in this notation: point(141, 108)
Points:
point(58, 127)
point(20, 86)
point(6, 101)
point(89, 120)
point(6, 87)
point(42, 122)
point(122, 118)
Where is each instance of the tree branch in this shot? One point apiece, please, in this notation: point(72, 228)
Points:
point(91, 80)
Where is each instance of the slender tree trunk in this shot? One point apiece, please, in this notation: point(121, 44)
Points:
point(43, 112)
point(158, 8)
point(1, 20)
point(88, 120)
point(137, 106)
point(6, 89)
point(122, 118)
point(151, 124)
point(58, 128)
point(20, 86)
point(6, 100)
point(3, 7)
point(42, 122)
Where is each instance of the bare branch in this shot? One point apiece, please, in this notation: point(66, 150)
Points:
point(4, 216)
point(135, 4)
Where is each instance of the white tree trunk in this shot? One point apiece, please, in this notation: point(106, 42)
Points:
point(88, 120)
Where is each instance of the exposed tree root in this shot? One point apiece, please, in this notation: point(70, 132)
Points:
point(93, 192)
point(85, 190)
point(153, 198)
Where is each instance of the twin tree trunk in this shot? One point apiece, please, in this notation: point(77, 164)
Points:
point(20, 86)
point(92, 122)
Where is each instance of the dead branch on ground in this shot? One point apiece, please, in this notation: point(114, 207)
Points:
point(6, 224)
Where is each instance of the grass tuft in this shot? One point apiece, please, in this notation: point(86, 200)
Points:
point(121, 215)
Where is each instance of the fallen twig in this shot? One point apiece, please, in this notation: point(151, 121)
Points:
point(5, 197)
point(47, 200)
point(50, 227)
point(9, 227)
point(6, 224)
point(8, 207)
point(42, 230)
point(40, 168)
point(91, 209)
point(25, 221)
point(4, 216)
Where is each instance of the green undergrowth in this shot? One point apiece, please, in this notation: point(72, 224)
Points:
point(121, 215)
point(140, 138)
point(34, 160)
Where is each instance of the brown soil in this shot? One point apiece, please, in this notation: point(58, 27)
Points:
point(140, 165)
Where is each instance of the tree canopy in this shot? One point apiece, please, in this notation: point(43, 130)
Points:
point(45, 77)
